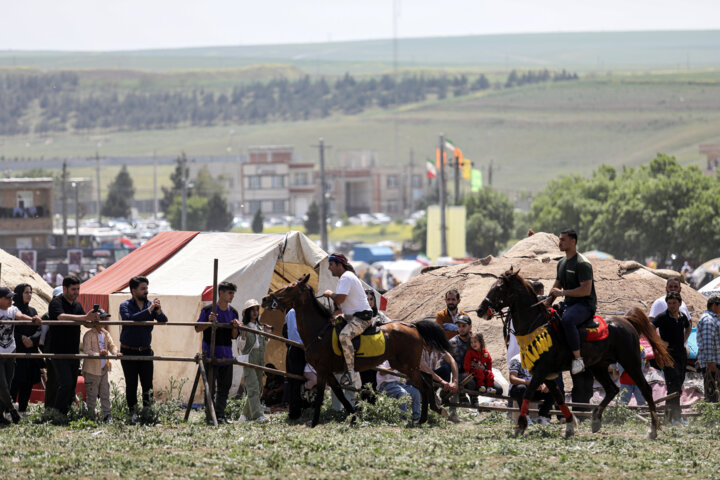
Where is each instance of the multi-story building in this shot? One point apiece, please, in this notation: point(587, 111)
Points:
point(361, 185)
point(276, 183)
point(26, 212)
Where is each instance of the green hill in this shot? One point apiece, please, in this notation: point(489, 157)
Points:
point(531, 134)
point(599, 51)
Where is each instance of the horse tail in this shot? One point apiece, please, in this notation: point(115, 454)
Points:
point(433, 336)
point(641, 324)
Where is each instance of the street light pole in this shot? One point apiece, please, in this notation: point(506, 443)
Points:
point(443, 233)
point(77, 215)
point(323, 198)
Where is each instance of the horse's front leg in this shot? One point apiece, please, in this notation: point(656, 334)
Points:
point(522, 421)
point(318, 402)
point(559, 397)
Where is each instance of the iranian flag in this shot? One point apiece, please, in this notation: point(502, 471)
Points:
point(430, 168)
point(457, 153)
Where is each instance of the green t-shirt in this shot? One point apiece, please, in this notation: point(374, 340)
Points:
point(571, 272)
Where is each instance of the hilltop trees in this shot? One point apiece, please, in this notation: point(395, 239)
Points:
point(120, 196)
point(655, 210)
point(312, 224)
point(490, 222)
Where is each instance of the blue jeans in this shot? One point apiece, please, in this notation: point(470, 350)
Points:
point(627, 391)
point(575, 314)
point(400, 390)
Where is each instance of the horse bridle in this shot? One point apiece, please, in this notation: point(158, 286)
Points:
point(276, 302)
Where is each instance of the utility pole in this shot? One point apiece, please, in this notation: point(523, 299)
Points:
point(323, 199)
point(64, 202)
point(441, 186)
point(490, 172)
point(411, 164)
point(184, 176)
point(456, 165)
point(75, 187)
point(97, 180)
point(155, 193)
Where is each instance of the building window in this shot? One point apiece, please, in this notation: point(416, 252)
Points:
point(278, 206)
point(301, 178)
point(393, 181)
point(392, 207)
point(254, 206)
point(278, 181)
point(417, 181)
point(254, 182)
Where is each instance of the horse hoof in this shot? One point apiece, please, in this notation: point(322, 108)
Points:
point(596, 425)
point(518, 432)
point(652, 434)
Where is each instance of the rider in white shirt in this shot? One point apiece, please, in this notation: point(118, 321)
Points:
point(350, 297)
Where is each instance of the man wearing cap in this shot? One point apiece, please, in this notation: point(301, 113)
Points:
point(8, 311)
point(135, 341)
point(222, 373)
point(447, 317)
point(350, 297)
point(708, 340)
point(66, 339)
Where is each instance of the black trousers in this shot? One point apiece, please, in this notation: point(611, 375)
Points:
point(517, 392)
point(51, 385)
point(132, 369)
point(220, 389)
point(66, 373)
point(294, 363)
point(674, 379)
point(22, 391)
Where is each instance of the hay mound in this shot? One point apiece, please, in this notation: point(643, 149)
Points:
point(14, 272)
point(619, 285)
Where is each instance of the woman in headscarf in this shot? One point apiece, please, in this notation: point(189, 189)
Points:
point(27, 337)
point(255, 349)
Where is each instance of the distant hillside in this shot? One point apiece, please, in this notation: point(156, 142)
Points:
point(628, 51)
point(530, 134)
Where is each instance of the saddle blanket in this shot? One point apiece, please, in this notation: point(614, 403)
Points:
point(370, 345)
point(595, 334)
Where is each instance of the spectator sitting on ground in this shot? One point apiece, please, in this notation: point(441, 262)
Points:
point(519, 381)
point(447, 318)
point(395, 388)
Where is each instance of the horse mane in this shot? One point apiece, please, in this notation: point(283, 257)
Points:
point(515, 274)
point(322, 309)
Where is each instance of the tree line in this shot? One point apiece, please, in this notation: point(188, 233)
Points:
point(63, 104)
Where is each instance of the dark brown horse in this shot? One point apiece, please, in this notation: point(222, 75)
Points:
point(550, 355)
point(404, 343)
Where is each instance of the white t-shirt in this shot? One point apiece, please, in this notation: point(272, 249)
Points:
point(659, 306)
point(356, 301)
point(385, 377)
point(7, 332)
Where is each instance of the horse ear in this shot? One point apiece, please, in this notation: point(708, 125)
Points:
point(304, 278)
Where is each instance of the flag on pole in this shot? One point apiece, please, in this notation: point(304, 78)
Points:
point(430, 168)
point(457, 153)
point(476, 182)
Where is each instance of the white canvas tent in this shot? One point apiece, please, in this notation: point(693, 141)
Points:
point(254, 262)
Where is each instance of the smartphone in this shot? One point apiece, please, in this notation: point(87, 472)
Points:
point(96, 308)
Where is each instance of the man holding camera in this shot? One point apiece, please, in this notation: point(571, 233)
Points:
point(135, 340)
point(66, 339)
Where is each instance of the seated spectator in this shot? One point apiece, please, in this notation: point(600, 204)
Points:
point(520, 379)
point(447, 318)
point(98, 342)
point(272, 394)
point(478, 363)
point(27, 338)
point(395, 388)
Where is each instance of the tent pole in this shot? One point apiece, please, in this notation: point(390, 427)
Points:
point(192, 392)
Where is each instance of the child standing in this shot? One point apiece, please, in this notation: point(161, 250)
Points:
point(96, 342)
point(479, 364)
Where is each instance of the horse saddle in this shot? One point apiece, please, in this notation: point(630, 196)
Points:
point(370, 343)
point(592, 330)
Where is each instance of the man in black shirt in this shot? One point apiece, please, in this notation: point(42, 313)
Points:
point(574, 281)
point(674, 327)
point(66, 339)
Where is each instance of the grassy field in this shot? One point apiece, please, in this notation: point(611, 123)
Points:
point(380, 446)
point(366, 234)
point(530, 134)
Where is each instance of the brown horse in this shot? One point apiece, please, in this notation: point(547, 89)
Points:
point(549, 354)
point(404, 343)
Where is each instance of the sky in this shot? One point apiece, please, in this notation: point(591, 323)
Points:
point(104, 25)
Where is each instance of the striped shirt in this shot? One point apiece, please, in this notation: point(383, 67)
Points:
point(708, 339)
